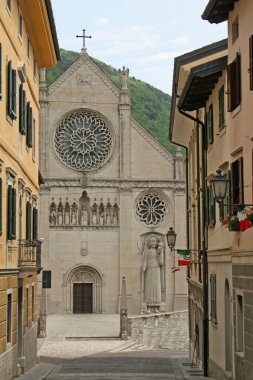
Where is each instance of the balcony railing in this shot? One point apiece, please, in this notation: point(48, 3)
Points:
point(30, 253)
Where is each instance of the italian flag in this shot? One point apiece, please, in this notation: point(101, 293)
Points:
point(242, 217)
point(175, 269)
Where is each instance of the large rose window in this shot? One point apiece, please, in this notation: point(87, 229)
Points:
point(83, 141)
point(151, 209)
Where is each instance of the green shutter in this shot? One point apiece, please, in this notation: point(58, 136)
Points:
point(221, 109)
point(9, 89)
point(207, 206)
point(205, 134)
point(14, 94)
point(212, 207)
point(238, 79)
point(21, 111)
point(35, 223)
point(210, 124)
point(28, 220)
point(13, 214)
point(229, 193)
point(9, 212)
point(24, 113)
point(1, 205)
point(29, 118)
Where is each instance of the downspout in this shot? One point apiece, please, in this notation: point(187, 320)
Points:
point(204, 252)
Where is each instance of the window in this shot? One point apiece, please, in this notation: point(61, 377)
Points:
point(28, 220)
point(239, 320)
point(34, 67)
point(20, 23)
point(234, 83)
point(237, 190)
point(251, 62)
point(11, 213)
point(213, 298)
point(35, 224)
point(11, 91)
point(33, 140)
point(235, 30)
point(28, 47)
point(210, 124)
point(210, 207)
point(0, 71)
point(8, 4)
point(46, 279)
point(9, 317)
point(22, 109)
point(29, 119)
point(221, 109)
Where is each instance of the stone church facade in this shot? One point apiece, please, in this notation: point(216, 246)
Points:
point(110, 194)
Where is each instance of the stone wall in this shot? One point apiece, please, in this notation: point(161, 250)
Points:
point(30, 347)
point(8, 363)
point(163, 330)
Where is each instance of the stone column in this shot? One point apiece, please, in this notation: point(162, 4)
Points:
point(123, 310)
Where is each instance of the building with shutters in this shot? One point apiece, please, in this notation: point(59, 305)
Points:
point(22, 53)
point(211, 117)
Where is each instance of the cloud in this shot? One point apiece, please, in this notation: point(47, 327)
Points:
point(181, 40)
point(102, 21)
point(159, 57)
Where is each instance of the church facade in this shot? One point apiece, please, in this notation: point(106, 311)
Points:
point(110, 194)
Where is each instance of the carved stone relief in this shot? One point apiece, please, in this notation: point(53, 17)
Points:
point(84, 212)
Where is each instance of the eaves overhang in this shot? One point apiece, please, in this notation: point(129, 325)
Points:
point(200, 84)
point(181, 61)
point(217, 11)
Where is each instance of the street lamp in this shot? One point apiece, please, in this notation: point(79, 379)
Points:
point(219, 185)
point(171, 237)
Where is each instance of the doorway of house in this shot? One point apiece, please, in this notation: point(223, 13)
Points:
point(82, 298)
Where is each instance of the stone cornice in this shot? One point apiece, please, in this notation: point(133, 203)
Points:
point(152, 141)
point(78, 228)
point(84, 58)
point(116, 183)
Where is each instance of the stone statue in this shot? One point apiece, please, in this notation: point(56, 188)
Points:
point(124, 78)
point(108, 219)
point(84, 217)
point(101, 219)
point(67, 216)
point(74, 216)
point(153, 259)
point(52, 218)
point(115, 219)
point(94, 218)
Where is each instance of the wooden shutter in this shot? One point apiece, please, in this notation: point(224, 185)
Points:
point(35, 223)
point(24, 113)
point(29, 118)
point(13, 213)
point(28, 220)
point(14, 94)
point(221, 109)
point(205, 134)
point(210, 124)
point(0, 71)
point(207, 215)
point(241, 180)
point(238, 80)
point(21, 111)
point(9, 89)
point(1, 205)
point(213, 298)
point(251, 62)
point(9, 213)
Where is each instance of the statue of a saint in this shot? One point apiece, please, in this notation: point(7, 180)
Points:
point(84, 217)
point(74, 217)
point(124, 74)
point(53, 216)
point(101, 219)
point(153, 259)
point(108, 219)
point(115, 219)
point(94, 218)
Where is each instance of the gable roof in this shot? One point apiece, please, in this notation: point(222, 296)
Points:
point(84, 58)
point(217, 11)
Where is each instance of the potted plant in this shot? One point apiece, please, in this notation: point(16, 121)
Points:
point(234, 224)
point(250, 215)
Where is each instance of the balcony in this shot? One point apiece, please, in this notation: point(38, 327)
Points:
point(29, 257)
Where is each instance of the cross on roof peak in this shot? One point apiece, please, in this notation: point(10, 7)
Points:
point(83, 37)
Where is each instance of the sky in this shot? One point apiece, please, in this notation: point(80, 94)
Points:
point(143, 35)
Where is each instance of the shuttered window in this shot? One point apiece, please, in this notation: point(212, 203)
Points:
point(29, 121)
point(210, 124)
point(46, 279)
point(212, 207)
point(234, 83)
point(237, 182)
point(11, 92)
point(213, 298)
point(221, 109)
point(11, 213)
point(35, 223)
point(28, 220)
point(22, 109)
point(207, 206)
point(1, 71)
point(251, 62)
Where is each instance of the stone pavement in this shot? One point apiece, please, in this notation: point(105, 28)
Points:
point(87, 347)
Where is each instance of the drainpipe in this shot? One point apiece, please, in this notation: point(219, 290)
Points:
point(204, 252)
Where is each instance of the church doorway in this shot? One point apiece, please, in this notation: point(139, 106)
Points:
point(83, 290)
point(82, 298)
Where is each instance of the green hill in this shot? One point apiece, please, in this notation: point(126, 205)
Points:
point(150, 106)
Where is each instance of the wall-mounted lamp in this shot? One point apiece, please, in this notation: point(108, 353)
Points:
point(171, 237)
